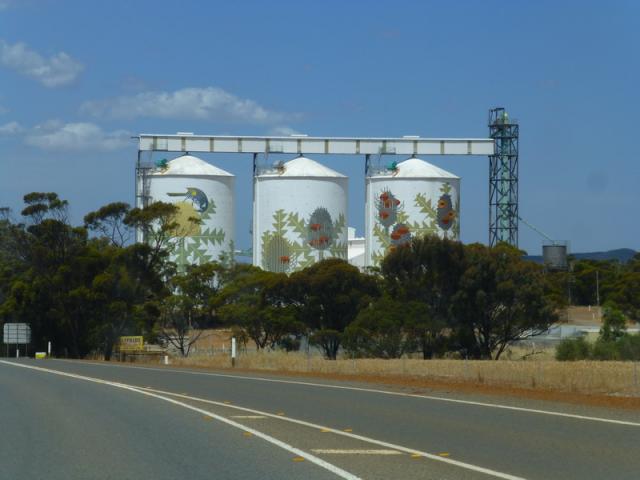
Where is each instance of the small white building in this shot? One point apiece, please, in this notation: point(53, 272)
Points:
point(355, 249)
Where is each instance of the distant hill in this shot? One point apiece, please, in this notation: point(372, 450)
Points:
point(623, 255)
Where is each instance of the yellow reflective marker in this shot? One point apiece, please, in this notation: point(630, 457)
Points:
point(348, 430)
point(325, 430)
point(226, 402)
point(298, 459)
point(415, 455)
point(247, 434)
point(280, 414)
point(444, 454)
point(206, 417)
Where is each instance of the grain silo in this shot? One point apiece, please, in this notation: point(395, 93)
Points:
point(200, 191)
point(405, 200)
point(299, 215)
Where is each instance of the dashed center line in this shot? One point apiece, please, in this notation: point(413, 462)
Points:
point(331, 451)
point(249, 417)
point(411, 451)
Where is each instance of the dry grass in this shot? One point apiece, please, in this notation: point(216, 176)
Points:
point(585, 377)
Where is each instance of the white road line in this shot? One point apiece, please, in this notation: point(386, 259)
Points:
point(412, 451)
point(285, 446)
point(387, 392)
point(330, 451)
point(251, 417)
point(160, 394)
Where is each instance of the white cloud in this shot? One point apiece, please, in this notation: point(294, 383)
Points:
point(210, 103)
point(9, 129)
point(283, 131)
point(55, 135)
point(56, 71)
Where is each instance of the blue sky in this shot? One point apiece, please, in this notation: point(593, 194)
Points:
point(78, 78)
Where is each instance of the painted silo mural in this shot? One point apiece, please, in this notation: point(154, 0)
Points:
point(413, 199)
point(299, 216)
point(200, 191)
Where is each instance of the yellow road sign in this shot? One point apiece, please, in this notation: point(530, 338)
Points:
point(131, 344)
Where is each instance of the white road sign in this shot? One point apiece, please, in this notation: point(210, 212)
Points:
point(17, 333)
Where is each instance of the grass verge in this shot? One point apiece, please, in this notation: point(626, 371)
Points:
point(609, 384)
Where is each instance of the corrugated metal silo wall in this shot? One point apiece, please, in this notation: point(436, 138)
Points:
point(207, 198)
point(298, 221)
point(400, 208)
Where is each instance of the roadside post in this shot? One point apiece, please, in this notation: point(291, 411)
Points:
point(48, 349)
point(233, 351)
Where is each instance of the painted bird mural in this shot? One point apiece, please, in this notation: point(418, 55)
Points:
point(196, 196)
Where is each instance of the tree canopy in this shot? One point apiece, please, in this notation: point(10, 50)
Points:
point(82, 287)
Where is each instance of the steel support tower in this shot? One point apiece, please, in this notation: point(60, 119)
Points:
point(503, 179)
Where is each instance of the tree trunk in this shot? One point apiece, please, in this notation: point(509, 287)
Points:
point(427, 350)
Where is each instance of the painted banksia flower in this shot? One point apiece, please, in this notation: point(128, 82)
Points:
point(320, 229)
point(400, 236)
point(446, 213)
point(277, 254)
point(387, 205)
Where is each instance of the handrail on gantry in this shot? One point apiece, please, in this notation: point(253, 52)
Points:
point(302, 144)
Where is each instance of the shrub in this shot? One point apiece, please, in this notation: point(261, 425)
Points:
point(606, 350)
point(573, 349)
point(289, 344)
point(629, 347)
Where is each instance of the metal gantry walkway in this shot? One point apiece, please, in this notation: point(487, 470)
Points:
point(299, 144)
point(502, 227)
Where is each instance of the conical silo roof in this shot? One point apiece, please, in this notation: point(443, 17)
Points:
point(191, 166)
point(417, 168)
point(303, 167)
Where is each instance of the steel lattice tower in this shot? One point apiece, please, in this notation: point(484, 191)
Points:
point(503, 179)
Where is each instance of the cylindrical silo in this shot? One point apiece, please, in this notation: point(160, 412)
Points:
point(200, 191)
point(299, 215)
point(409, 199)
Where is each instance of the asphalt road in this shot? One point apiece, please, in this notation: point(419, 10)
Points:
point(78, 420)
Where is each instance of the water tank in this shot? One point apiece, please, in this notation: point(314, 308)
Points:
point(412, 198)
point(199, 190)
point(299, 215)
point(554, 256)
